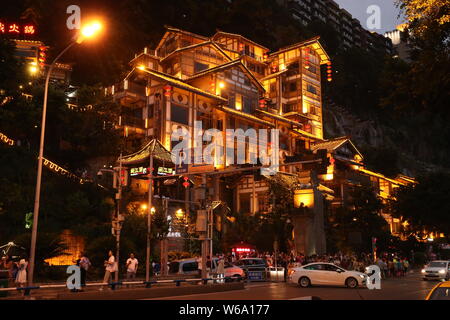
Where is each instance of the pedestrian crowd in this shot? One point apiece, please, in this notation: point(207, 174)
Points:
point(391, 265)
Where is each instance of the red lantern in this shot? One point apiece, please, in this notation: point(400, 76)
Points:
point(241, 47)
point(186, 182)
point(265, 56)
point(42, 56)
point(307, 127)
point(167, 90)
point(262, 103)
point(329, 72)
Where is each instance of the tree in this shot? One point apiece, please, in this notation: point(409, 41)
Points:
point(351, 227)
point(422, 13)
point(425, 205)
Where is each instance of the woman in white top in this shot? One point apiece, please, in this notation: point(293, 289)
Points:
point(21, 277)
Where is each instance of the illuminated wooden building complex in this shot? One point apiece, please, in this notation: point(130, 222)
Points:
point(228, 82)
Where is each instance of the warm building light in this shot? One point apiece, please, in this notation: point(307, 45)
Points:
point(305, 196)
point(33, 69)
point(141, 67)
point(144, 206)
point(221, 85)
point(179, 213)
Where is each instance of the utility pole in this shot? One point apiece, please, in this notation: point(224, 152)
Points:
point(164, 242)
point(149, 217)
point(119, 220)
point(205, 239)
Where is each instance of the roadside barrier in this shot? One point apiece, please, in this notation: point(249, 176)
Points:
point(116, 285)
point(261, 274)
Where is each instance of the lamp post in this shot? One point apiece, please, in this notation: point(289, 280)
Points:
point(87, 32)
point(149, 218)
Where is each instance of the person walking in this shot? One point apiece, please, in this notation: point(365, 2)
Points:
point(132, 265)
point(199, 266)
point(221, 270)
point(110, 268)
point(84, 267)
point(21, 277)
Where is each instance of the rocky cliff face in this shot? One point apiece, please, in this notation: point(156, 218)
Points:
point(413, 152)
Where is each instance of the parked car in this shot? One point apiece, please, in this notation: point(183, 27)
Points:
point(190, 266)
point(437, 270)
point(440, 292)
point(320, 273)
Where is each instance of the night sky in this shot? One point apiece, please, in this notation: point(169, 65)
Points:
point(358, 8)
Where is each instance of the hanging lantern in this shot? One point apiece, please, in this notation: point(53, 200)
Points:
point(186, 182)
point(42, 56)
point(167, 90)
point(329, 72)
point(265, 56)
point(262, 103)
point(274, 68)
point(241, 47)
point(212, 86)
point(308, 127)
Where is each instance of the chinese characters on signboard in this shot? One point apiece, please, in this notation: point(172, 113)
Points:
point(17, 29)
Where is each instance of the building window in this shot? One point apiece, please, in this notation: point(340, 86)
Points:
point(198, 67)
point(238, 102)
point(248, 105)
point(292, 86)
point(311, 88)
point(179, 114)
point(150, 110)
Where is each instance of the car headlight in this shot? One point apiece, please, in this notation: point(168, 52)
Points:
point(442, 271)
point(423, 270)
point(362, 276)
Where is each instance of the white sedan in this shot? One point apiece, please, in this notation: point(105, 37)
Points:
point(321, 273)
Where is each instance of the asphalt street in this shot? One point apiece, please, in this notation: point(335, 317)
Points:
point(411, 287)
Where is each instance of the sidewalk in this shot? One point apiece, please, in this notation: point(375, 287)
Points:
point(156, 291)
point(92, 290)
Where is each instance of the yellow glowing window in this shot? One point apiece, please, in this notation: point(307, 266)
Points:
point(238, 103)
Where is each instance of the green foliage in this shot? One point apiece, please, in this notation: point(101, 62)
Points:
point(358, 219)
point(425, 205)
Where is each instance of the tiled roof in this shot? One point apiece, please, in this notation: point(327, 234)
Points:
point(333, 144)
point(238, 36)
point(244, 115)
point(233, 63)
point(289, 121)
point(330, 145)
point(153, 147)
point(209, 42)
point(215, 69)
point(315, 44)
point(180, 84)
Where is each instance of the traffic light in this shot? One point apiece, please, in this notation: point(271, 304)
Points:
point(323, 166)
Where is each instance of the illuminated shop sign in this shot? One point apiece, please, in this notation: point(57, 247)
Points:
point(17, 29)
point(163, 171)
point(138, 171)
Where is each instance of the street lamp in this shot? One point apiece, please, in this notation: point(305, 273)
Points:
point(88, 31)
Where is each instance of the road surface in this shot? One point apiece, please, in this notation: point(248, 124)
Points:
point(411, 287)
